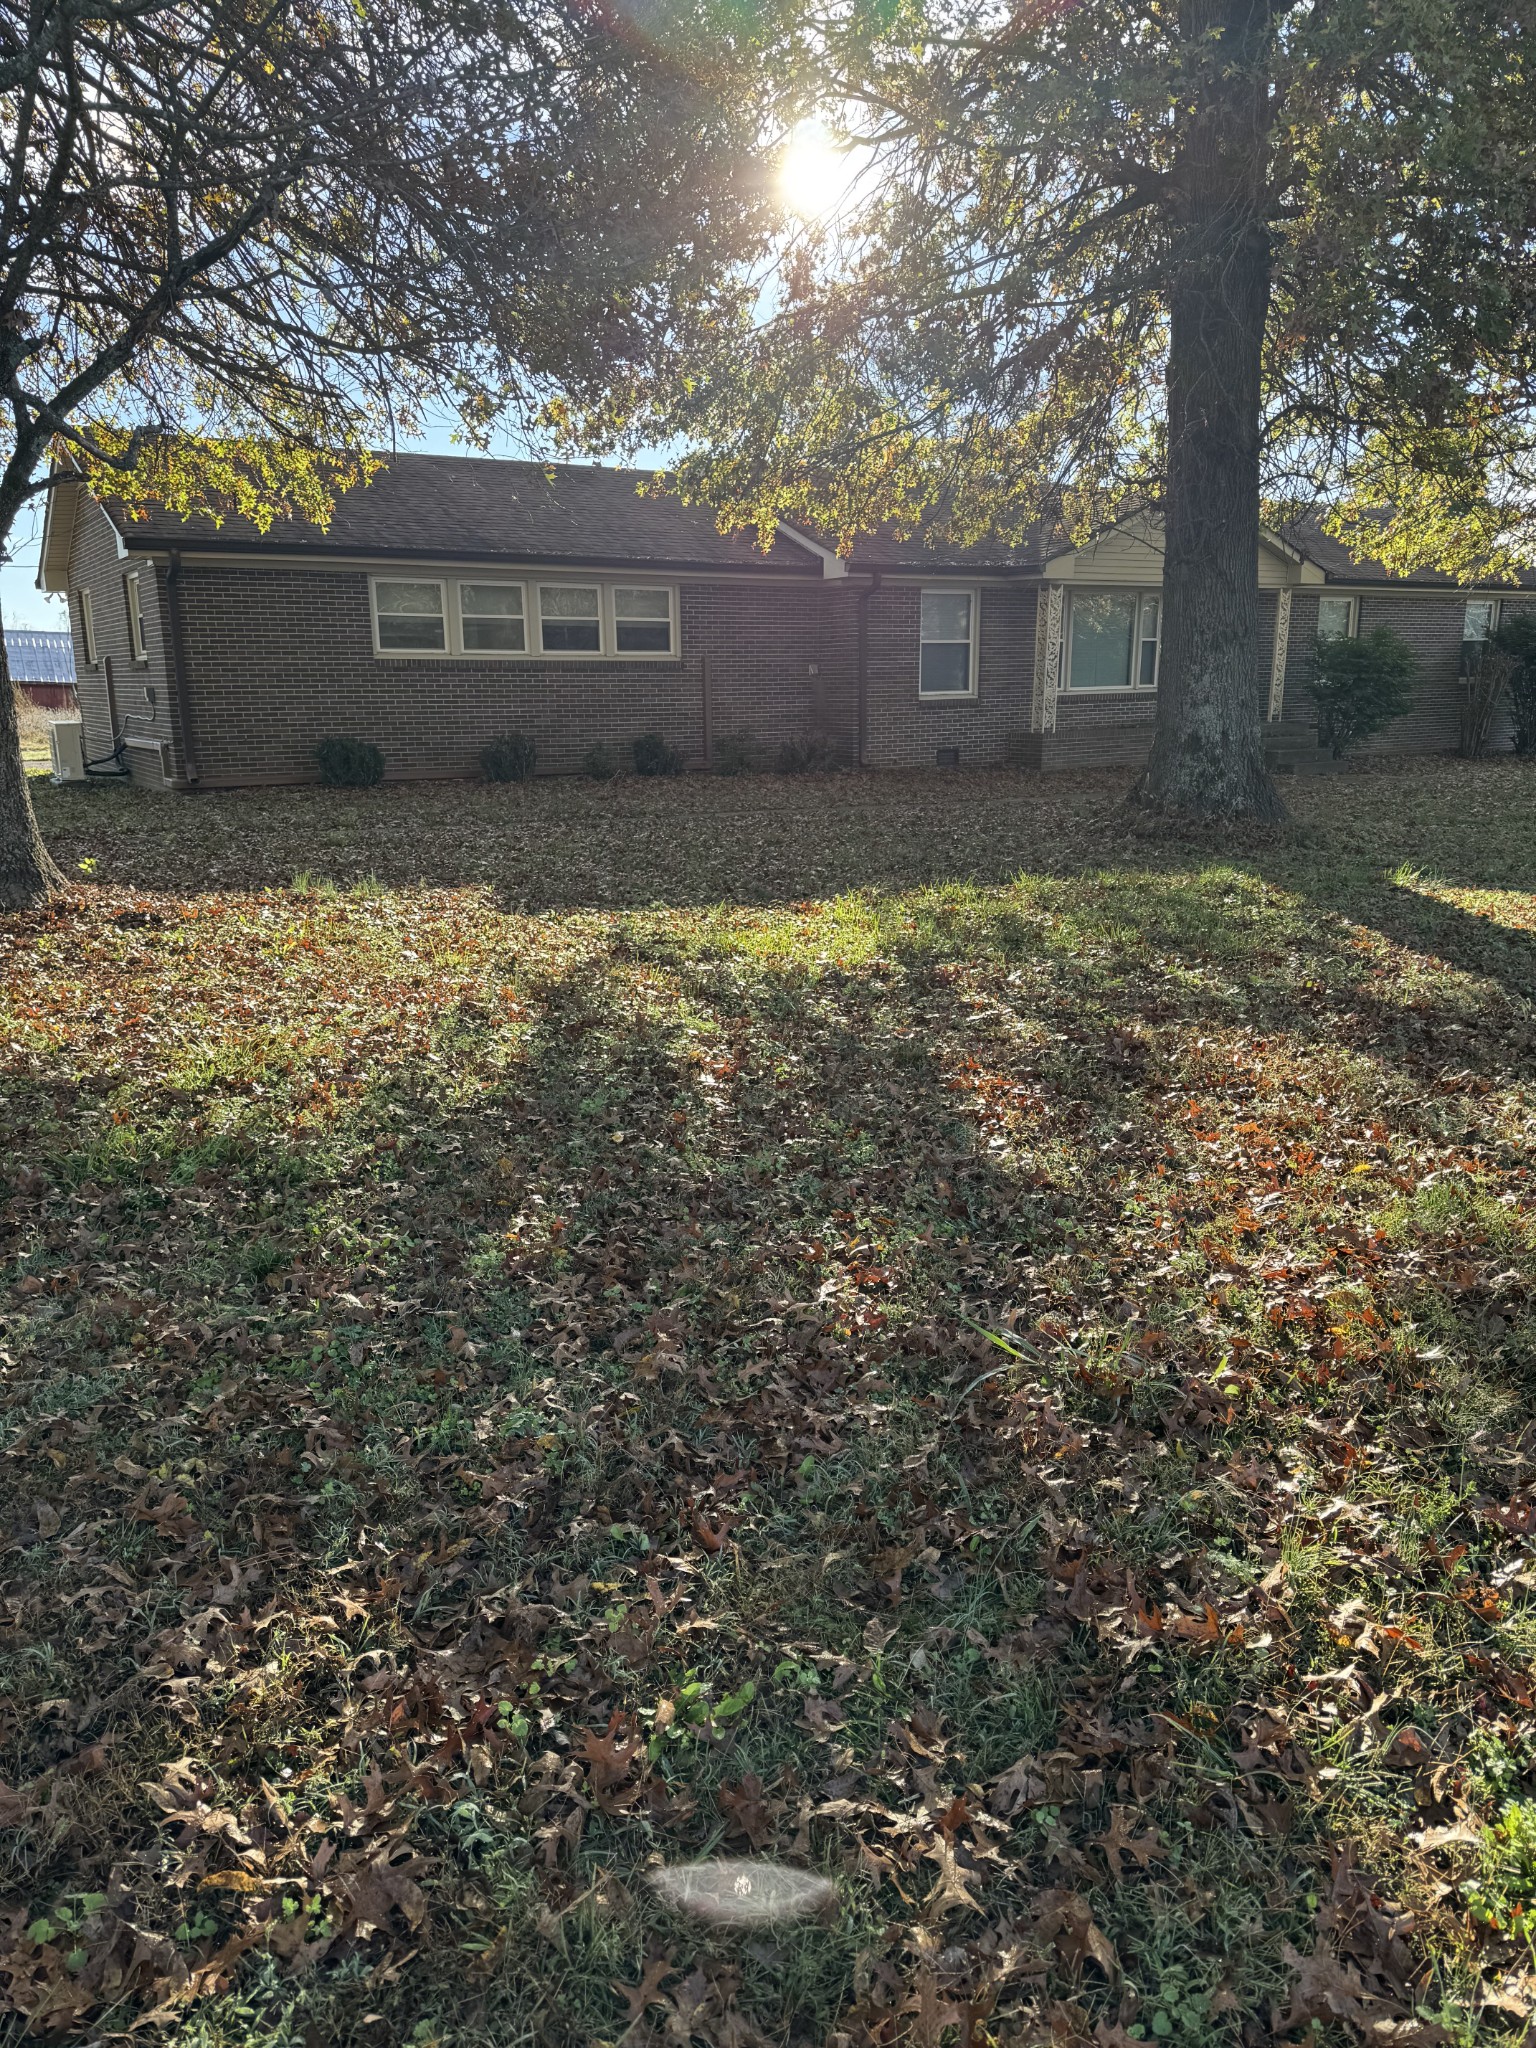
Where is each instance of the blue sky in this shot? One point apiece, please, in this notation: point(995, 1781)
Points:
point(20, 604)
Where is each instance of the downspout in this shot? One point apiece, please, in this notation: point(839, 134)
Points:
point(98, 766)
point(861, 752)
point(181, 715)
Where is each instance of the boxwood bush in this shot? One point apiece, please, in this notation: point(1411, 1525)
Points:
point(1359, 686)
point(511, 759)
point(347, 763)
point(654, 757)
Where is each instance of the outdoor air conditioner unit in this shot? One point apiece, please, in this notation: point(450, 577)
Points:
point(66, 741)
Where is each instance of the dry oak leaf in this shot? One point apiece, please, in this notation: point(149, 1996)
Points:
point(1324, 1988)
point(1019, 1786)
point(748, 1811)
point(384, 1885)
point(1120, 1840)
point(17, 1806)
point(608, 1757)
point(949, 1895)
point(1066, 1920)
point(648, 1991)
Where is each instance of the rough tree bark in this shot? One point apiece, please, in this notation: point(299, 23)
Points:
point(27, 875)
point(1207, 756)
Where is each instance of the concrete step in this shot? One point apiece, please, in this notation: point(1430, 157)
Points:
point(1291, 748)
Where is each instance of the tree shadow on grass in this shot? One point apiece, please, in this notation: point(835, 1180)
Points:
point(621, 1340)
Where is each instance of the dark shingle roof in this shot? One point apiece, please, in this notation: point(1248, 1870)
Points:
point(1027, 557)
point(471, 508)
point(1340, 566)
point(476, 508)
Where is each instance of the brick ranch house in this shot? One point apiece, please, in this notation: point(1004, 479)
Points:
point(458, 599)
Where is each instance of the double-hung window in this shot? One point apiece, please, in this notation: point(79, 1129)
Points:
point(947, 654)
point(87, 628)
point(570, 618)
point(642, 619)
point(1336, 618)
point(136, 645)
point(1478, 625)
point(1113, 640)
point(491, 618)
point(409, 616)
point(1149, 626)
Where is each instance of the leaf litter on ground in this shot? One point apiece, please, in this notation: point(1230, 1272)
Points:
point(962, 1356)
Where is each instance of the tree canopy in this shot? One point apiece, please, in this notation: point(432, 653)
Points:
point(307, 225)
point(978, 329)
point(986, 328)
point(242, 245)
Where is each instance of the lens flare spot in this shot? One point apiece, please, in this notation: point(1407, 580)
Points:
point(814, 172)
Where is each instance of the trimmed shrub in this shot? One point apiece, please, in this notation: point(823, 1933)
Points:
point(805, 757)
point(654, 757)
point(346, 763)
point(600, 762)
point(509, 760)
point(1516, 637)
point(1359, 686)
point(738, 753)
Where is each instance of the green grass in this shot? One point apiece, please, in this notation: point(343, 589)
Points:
point(498, 1321)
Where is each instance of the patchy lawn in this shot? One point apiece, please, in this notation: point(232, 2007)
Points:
point(33, 721)
point(875, 1323)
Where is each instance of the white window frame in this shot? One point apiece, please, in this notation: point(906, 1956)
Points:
point(133, 601)
point(973, 672)
point(604, 639)
point(449, 583)
point(1495, 619)
point(611, 647)
point(1352, 629)
point(87, 625)
point(1133, 686)
point(443, 653)
point(1147, 597)
point(455, 625)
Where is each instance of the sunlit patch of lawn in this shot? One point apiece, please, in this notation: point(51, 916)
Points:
point(877, 1323)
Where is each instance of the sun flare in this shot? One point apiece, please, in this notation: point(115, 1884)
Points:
point(814, 173)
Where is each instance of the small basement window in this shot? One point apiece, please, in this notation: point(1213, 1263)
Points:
point(642, 619)
point(136, 645)
point(570, 619)
point(408, 617)
point(947, 657)
point(491, 618)
point(1336, 618)
point(88, 628)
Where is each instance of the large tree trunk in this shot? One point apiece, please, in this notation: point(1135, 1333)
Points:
point(1207, 755)
point(27, 875)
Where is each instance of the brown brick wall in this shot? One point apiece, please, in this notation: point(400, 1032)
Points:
point(95, 563)
point(906, 730)
point(277, 658)
point(1431, 622)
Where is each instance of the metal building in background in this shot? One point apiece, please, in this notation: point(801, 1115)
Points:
point(42, 666)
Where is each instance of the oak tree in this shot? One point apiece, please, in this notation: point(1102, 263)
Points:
point(245, 242)
point(1217, 258)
